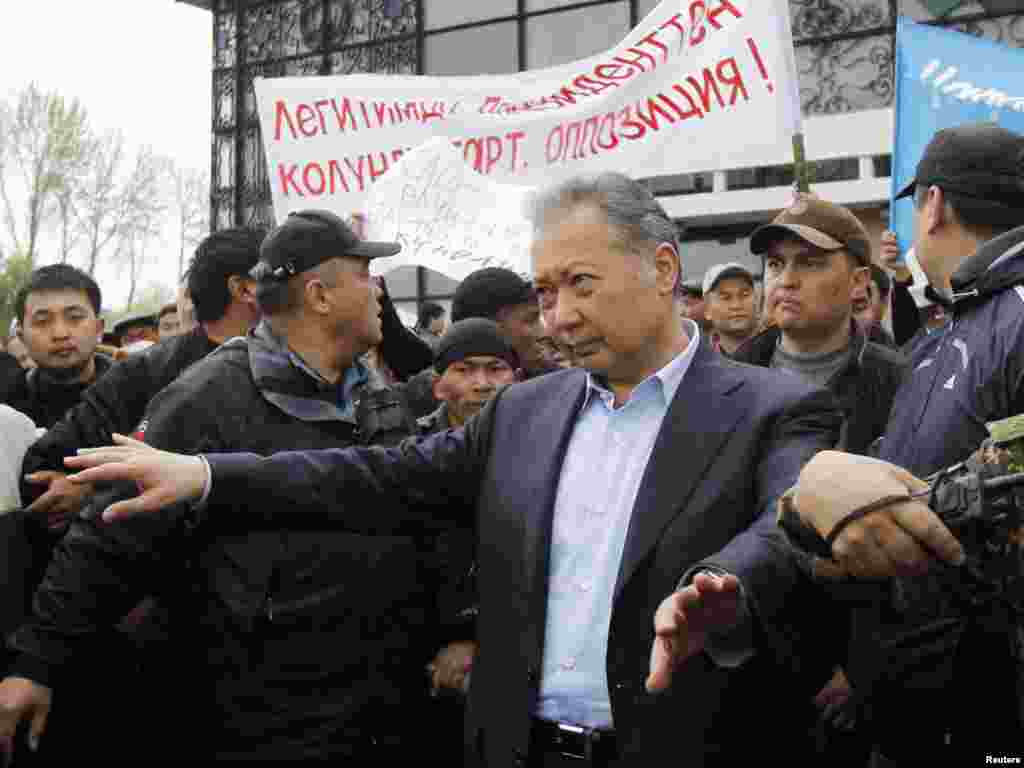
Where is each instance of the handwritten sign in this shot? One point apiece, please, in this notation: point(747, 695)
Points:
point(447, 216)
point(699, 85)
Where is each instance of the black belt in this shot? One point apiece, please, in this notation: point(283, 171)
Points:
point(598, 746)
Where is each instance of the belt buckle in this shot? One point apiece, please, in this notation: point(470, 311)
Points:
point(570, 735)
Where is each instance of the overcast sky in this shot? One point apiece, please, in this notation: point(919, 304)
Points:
point(141, 66)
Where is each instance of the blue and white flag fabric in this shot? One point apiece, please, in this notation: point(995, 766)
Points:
point(946, 78)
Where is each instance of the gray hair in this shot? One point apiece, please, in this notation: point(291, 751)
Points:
point(632, 211)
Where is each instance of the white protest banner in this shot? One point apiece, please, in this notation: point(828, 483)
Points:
point(447, 216)
point(699, 85)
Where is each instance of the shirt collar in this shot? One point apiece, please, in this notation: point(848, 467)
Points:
point(668, 378)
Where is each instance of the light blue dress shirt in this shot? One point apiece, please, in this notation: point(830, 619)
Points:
point(604, 464)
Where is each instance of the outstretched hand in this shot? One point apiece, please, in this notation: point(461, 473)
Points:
point(684, 620)
point(163, 478)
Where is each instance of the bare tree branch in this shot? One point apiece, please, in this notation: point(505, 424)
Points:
point(191, 203)
point(43, 139)
point(97, 198)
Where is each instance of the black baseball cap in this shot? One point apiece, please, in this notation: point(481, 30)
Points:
point(309, 238)
point(487, 291)
point(983, 161)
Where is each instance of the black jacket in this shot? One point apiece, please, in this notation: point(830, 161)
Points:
point(755, 430)
point(927, 654)
point(457, 600)
point(114, 403)
point(45, 399)
point(299, 645)
point(864, 388)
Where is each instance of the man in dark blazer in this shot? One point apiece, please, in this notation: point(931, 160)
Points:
point(642, 485)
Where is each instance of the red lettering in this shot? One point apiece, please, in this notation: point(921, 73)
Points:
point(653, 110)
point(672, 105)
point(736, 80)
point(698, 13)
point(320, 114)
point(366, 120)
point(592, 86)
point(674, 22)
point(380, 110)
point(565, 97)
point(652, 39)
point(723, 5)
point(572, 139)
point(374, 173)
point(550, 156)
point(396, 155)
point(306, 115)
point(514, 137)
point(602, 71)
point(591, 125)
point(694, 110)
point(334, 170)
point(490, 105)
point(642, 56)
point(281, 110)
point(315, 191)
point(344, 116)
point(705, 92)
point(493, 149)
point(476, 147)
point(609, 122)
point(288, 179)
point(637, 129)
point(357, 172)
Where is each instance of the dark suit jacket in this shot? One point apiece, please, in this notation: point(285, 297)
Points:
point(734, 438)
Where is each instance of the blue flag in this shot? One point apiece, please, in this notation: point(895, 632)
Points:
point(945, 78)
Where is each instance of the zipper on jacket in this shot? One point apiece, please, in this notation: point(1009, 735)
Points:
point(269, 605)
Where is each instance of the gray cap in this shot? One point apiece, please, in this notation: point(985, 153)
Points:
point(719, 272)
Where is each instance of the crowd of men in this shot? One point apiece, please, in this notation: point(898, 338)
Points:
point(271, 523)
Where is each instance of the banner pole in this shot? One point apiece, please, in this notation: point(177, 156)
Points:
point(801, 176)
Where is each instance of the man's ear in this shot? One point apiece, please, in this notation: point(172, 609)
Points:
point(667, 267)
point(242, 288)
point(859, 280)
point(934, 209)
point(438, 388)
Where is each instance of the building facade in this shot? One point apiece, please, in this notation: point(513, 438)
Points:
point(845, 59)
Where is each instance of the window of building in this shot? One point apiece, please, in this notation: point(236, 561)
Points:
point(592, 29)
point(488, 50)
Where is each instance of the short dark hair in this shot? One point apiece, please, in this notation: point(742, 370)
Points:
point(218, 258)
point(429, 312)
point(57, 277)
point(881, 280)
point(982, 218)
